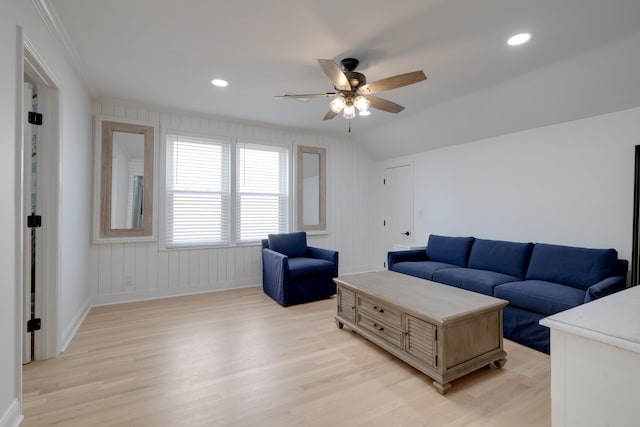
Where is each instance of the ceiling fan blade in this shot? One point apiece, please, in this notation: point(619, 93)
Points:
point(335, 74)
point(393, 82)
point(330, 115)
point(384, 104)
point(307, 95)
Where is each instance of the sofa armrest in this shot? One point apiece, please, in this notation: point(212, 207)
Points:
point(605, 287)
point(404, 256)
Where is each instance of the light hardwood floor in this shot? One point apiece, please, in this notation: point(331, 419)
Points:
point(236, 358)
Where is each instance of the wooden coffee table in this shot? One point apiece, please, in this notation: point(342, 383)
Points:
point(443, 331)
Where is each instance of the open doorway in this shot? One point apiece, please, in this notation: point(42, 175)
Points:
point(40, 196)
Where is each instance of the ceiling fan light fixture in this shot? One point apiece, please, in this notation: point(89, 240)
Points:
point(337, 104)
point(361, 103)
point(349, 111)
point(365, 113)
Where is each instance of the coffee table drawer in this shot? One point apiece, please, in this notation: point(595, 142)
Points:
point(380, 311)
point(387, 332)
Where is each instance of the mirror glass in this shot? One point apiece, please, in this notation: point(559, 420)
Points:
point(127, 180)
point(126, 163)
point(311, 189)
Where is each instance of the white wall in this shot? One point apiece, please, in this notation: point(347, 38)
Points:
point(570, 184)
point(73, 293)
point(76, 175)
point(130, 271)
point(10, 385)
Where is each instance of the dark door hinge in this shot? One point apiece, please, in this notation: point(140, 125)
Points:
point(34, 325)
point(35, 118)
point(34, 221)
point(384, 222)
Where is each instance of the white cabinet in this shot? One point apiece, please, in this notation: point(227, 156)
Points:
point(595, 362)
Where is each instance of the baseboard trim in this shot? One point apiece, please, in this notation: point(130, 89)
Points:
point(361, 269)
point(160, 294)
point(12, 417)
point(70, 331)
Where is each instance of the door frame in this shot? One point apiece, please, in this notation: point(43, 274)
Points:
point(47, 342)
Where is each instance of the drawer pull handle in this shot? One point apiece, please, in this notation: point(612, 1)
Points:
point(378, 327)
point(378, 309)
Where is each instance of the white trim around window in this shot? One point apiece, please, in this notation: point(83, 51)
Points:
point(218, 191)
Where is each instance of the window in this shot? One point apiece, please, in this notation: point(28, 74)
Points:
point(205, 189)
point(262, 191)
point(198, 191)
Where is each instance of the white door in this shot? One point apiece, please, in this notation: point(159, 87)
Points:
point(43, 185)
point(27, 338)
point(398, 202)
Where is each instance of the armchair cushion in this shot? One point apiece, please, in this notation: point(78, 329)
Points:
point(290, 244)
point(302, 268)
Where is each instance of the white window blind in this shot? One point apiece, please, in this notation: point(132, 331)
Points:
point(198, 191)
point(262, 191)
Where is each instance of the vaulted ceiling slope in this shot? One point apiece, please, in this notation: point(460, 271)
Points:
point(582, 60)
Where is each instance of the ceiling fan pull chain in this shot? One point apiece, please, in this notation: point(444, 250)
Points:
point(349, 125)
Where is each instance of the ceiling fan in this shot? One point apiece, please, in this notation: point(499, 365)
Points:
point(352, 91)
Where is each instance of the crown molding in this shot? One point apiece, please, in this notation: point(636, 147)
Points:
point(49, 16)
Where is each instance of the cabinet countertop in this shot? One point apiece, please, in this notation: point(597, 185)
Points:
point(613, 320)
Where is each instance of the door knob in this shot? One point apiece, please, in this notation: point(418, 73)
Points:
point(406, 233)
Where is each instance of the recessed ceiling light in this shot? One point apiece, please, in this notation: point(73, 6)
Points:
point(519, 39)
point(365, 113)
point(219, 82)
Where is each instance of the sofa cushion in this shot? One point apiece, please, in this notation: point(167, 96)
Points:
point(539, 296)
point(482, 281)
point(577, 267)
point(421, 269)
point(289, 244)
point(308, 267)
point(450, 250)
point(503, 257)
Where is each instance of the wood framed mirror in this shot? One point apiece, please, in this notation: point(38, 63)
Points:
point(311, 189)
point(125, 180)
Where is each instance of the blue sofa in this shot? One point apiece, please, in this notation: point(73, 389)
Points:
point(538, 279)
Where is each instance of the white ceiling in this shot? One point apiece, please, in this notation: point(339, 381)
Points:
point(165, 52)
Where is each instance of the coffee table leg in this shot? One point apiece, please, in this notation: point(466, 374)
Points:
point(500, 363)
point(442, 388)
point(339, 324)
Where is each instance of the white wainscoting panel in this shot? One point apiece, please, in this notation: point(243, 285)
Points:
point(122, 272)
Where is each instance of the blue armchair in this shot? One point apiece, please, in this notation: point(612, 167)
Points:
point(294, 273)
